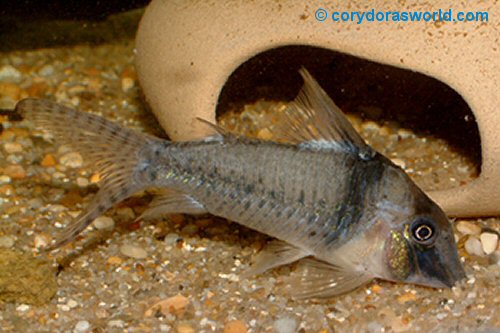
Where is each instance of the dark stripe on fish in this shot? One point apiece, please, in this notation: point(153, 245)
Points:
point(364, 176)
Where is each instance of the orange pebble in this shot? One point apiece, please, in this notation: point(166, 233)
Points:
point(48, 160)
point(235, 326)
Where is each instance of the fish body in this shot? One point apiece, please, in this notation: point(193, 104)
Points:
point(331, 201)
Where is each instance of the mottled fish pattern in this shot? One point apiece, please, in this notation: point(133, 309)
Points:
point(332, 202)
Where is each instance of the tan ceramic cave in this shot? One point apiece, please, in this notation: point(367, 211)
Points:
point(186, 50)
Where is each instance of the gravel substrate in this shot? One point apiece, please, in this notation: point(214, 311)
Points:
point(182, 274)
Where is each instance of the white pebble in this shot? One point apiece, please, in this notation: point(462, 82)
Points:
point(403, 133)
point(23, 308)
point(104, 223)
point(489, 240)
point(116, 323)
point(56, 208)
point(374, 327)
point(82, 182)
point(285, 325)
point(12, 147)
point(370, 126)
point(6, 241)
point(82, 326)
point(399, 162)
point(441, 316)
point(468, 228)
point(72, 160)
point(133, 251)
point(41, 241)
point(9, 73)
point(473, 247)
point(46, 70)
point(4, 179)
point(472, 295)
point(171, 239)
point(72, 303)
point(64, 307)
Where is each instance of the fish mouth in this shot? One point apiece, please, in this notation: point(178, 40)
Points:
point(439, 269)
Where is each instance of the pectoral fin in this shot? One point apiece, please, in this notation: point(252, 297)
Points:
point(276, 253)
point(318, 279)
point(171, 202)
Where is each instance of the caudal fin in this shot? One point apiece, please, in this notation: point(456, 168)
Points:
point(109, 148)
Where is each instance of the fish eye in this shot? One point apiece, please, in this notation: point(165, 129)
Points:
point(423, 231)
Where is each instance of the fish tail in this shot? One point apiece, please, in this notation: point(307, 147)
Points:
point(114, 152)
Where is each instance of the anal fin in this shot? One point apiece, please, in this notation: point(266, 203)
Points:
point(171, 202)
point(318, 279)
point(275, 253)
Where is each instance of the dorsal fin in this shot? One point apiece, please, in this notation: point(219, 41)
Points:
point(313, 120)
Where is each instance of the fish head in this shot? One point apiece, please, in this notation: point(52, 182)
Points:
point(419, 245)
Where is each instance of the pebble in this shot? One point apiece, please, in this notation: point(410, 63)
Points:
point(14, 158)
point(489, 242)
point(82, 326)
point(441, 316)
point(95, 178)
point(46, 70)
point(48, 161)
point(171, 239)
point(23, 308)
point(407, 297)
point(104, 223)
point(127, 84)
point(7, 103)
point(404, 133)
point(235, 326)
point(116, 323)
point(175, 305)
point(370, 126)
point(6, 241)
point(4, 179)
point(12, 147)
point(398, 325)
point(15, 171)
point(72, 160)
point(473, 247)
point(468, 228)
point(125, 214)
point(9, 73)
point(133, 251)
point(10, 90)
point(285, 325)
point(58, 175)
point(376, 288)
point(82, 182)
point(374, 327)
point(265, 134)
point(115, 261)
point(41, 241)
point(37, 89)
point(72, 303)
point(6, 190)
point(190, 229)
point(55, 208)
point(399, 162)
point(185, 328)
